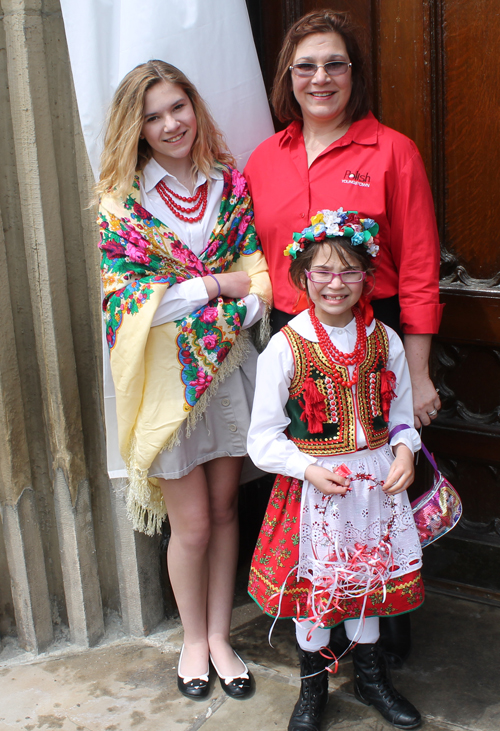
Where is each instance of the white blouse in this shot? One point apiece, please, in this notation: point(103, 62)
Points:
point(181, 299)
point(268, 446)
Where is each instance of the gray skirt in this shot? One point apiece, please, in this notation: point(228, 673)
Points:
point(221, 431)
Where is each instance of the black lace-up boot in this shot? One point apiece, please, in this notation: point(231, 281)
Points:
point(313, 697)
point(373, 686)
point(395, 639)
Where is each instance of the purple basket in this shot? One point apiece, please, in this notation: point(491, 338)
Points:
point(437, 511)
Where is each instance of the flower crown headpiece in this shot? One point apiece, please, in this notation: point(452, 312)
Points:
point(330, 224)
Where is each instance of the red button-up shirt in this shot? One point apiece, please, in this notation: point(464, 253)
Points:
point(371, 169)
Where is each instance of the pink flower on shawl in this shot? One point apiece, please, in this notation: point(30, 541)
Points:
point(244, 223)
point(212, 249)
point(222, 353)
point(135, 239)
point(179, 252)
point(186, 257)
point(141, 212)
point(201, 383)
point(210, 341)
point(209, 315)
point(239, 183)
point(194, 264)
point(137, 255)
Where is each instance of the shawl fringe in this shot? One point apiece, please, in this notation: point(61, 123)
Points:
point(145, 505)
point(264, 331)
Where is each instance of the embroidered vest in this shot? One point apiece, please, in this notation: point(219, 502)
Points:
point(338, 430)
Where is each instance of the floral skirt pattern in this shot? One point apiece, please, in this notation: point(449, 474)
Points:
point(276, 557)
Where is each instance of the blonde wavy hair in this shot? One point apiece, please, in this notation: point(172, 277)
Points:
point(124, 152)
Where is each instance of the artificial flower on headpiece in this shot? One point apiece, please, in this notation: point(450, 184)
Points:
point(329, 224)
point(293, 249)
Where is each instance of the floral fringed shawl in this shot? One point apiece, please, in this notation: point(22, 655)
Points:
point(166, 375)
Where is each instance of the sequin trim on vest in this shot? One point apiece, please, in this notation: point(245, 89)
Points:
point(338, 435)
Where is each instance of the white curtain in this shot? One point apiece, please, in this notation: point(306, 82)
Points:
point(209, 40)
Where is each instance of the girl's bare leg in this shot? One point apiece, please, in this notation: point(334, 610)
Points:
point(222, 478)
point(202, 558)
point(187, 501)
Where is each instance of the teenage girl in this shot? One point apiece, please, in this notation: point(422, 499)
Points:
point(331, 386)
point(183, 278)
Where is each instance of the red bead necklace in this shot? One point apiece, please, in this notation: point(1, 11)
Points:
point(198, 199)
point(335, 355)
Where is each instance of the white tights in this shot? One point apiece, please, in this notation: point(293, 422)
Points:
point(367, 635)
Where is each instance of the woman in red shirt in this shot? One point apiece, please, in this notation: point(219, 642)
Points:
point(335, 150)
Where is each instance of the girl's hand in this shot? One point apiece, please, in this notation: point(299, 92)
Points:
point(329, 483)
point(402, 472)
point(234, 285)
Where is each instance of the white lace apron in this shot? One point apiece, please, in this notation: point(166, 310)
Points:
point(361, 516)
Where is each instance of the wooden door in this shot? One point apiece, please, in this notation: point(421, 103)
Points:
point(436, 78)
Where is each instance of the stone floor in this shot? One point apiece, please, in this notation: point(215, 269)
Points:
point(452, 677)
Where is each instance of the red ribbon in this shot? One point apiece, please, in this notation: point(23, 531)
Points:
point(366, 309)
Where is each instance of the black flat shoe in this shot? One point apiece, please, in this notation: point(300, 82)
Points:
point(235, 687)
point(194, 688)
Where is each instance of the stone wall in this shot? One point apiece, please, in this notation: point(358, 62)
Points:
point(67, 553)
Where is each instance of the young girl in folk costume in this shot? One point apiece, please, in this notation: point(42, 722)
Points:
point(338, 542)
point(183, 277)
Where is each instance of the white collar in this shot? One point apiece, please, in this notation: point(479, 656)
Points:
point(303, 326)
point(153, 173)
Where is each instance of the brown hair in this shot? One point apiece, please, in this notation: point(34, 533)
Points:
point(342, 247)
point(283, 101)
point(124, 152)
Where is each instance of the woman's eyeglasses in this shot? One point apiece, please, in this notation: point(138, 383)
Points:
point(332, 68)
point(351, 276)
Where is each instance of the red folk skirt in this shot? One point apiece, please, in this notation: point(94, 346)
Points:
point(276, 557)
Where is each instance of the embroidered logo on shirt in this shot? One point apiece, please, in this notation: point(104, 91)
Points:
point(357, 178)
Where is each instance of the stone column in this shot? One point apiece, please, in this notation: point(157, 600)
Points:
point(45, 254)
point(23, 543)
point(138, 569)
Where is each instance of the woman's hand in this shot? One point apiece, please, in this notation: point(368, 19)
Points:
point(426, 402)
point(234, 285)
point(329, 483)
point(402, 472)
